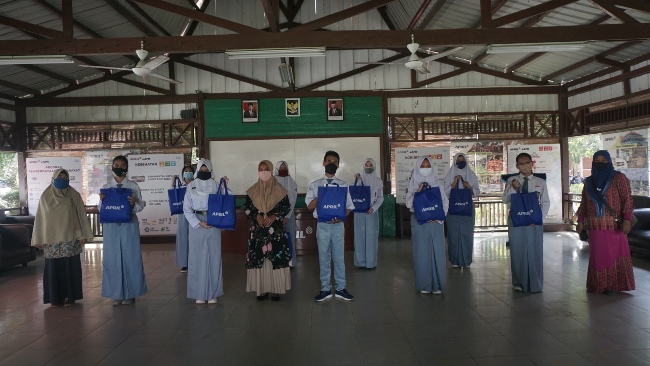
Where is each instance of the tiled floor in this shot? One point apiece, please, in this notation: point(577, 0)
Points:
point(478, 320)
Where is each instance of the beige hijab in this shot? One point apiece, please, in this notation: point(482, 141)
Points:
point(61, 216)
point(265, 195)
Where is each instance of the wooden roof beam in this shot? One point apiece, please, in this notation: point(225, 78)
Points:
point(529, 12)
point(383, 12)
point(143, 86)
point(483, 70)
point(332, 40)
point(614, 12)
point(227, 74)
point(498, 6)
point(613, 80)
point(72, 87)
point(609, 62)
point(29, 27)
point(271, 9)
point(7, 106)
point(47, 73)
point(195, 23)
point(200, 16)
point(431, 14)
point(59, 13)
point(590, 60)
point(22, 88)
point(418, 15)
point(609, 70)
point(486, 13)
point(341, 15)
point(639, 5)
point(435, 79)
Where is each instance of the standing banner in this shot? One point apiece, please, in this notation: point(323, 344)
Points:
point(485, 158)
point(629, 152)
point(405, 162)
point(153, 173)
point(546, 159)
point(39, 176)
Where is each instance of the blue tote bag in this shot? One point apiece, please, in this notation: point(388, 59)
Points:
point(221, 209)
point(176, 197)
point(331, 202)
point(460, 201)
point(525, 209)
point(427, 204)
point(115, 207)
point(360, 196)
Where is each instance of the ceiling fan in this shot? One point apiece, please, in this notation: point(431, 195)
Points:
point(143, 67)
point(414, 62)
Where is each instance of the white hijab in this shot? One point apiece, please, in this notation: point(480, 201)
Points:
point(287, 182)
point(372, 180)
point(204, 187)
point(417, 178)
point(468, 175)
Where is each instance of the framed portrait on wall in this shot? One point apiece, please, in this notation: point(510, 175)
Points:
point(292, 107)
point(335, 109)
point(250, 111)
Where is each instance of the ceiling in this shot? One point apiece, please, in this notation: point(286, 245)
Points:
point(106, 32)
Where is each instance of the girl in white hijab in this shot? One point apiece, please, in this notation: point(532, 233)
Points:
point(61, 229)
point(286, 181)
point(460, 234)
point(204, 273)
point(428, 239)
point(366, 224)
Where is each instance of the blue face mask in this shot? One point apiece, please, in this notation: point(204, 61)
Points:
point(61, 183)
point(461, 164)
point(188, 175)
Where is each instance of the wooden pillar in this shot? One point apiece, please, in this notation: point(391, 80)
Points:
point(20, 137)
point(563, 106)
point(200, 138)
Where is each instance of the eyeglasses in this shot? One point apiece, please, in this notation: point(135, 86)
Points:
point(528, 163)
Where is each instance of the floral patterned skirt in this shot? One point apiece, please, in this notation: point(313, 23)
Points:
point(62, 250)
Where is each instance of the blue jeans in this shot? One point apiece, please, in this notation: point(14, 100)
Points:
point(330, 239)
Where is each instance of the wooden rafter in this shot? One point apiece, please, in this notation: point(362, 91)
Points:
point(587, 61)
point(435, 79)
point(227, 74)
point(42, 71)
point(609, 62)
point(453, 92)
point(148, 17)
point(498, 6)
point(195, 23)
point(70, 88)
point(22, 88)
point(529, 12)
point(431, 14)
point(67, 18)
point(334, 40)
point(171, 71)
point(7, 106)
point(640, 5)
point(340, 15)
point(143, 86)
point(610, 81)
point(200, 16)
point(614, 12)
point(607, 71)
point(59, 13)
point(383, 11)
point(29, 27)
point(271, 9)
point(419, 15)
point(356, 71)
point(130, 18)
point(486, 13)
point(483, 70)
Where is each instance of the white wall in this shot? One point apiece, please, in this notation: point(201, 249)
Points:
point(7, 116)
point(104, 113)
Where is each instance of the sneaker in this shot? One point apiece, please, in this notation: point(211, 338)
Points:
point(344, 294)
point(212, 301)
point(117, 302)
point(436, 292)
point(454, 266)
point(425, 292)
point(200, 301)
point(323, 295)
point(466, 267)
point(128, 301)
point(518, 288)
point(184, 270)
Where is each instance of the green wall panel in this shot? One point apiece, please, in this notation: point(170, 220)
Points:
point(223, 118)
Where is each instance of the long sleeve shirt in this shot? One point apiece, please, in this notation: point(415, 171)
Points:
point(535, 184)
point(133, 186)
point(312, 191)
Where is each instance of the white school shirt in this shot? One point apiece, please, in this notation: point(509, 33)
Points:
point(312, 192)
point(133, 186)
point(535, 184)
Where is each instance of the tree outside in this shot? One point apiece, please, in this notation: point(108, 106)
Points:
point(9, 196)
point(581, 147)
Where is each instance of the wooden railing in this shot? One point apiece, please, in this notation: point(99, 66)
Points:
point(93, 216)
point(491, 214)
point(571, 203)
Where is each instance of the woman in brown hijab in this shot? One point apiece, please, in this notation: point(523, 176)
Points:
point(267, 259)
point(61, 229)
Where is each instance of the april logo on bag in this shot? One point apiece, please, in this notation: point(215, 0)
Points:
point(525, 213)
point(331, 207)
point(221, 214)
point(430, 208)
point(114, 207)
point(177, 204)
point(359, 200)
point(461, 203)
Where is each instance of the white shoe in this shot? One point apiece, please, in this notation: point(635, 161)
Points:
point(437, 292)
point(200, 301)
point(454, 266)
point(117, 302)
point(128, 301)
point(466, 267)
point(212, 301)
point(425, 292)
point(518, 288)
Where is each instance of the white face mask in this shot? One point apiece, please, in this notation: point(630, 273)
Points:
point(425, 172)
point(264, 175)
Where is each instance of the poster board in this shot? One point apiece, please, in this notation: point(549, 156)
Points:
point(405, 159)
point(238, 159)
point(546, 159)
point(485, 158)
point(39, 176)
point(629, 152)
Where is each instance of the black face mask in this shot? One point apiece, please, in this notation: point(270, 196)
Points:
point(204, 175)
point(120, 172)
point(331, 168)
point(600, 166)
